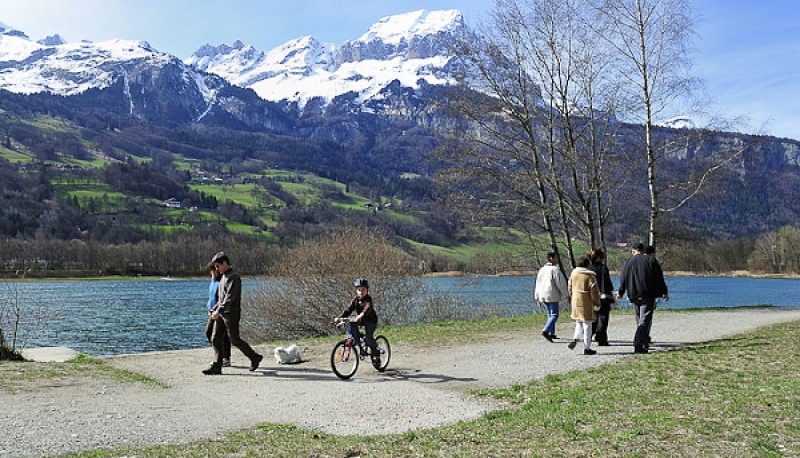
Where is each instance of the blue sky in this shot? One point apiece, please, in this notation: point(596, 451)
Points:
point(747, 52)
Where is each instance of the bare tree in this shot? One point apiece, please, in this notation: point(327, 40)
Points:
point(652, 40)
point(535, 151)
point(20, 320)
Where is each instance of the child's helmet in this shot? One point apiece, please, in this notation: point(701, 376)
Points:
point(361, 282)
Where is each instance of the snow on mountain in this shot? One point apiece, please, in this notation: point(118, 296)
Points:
point(410, 48)
point(153, 84)
point(11, 31)
point(392, 30)
point(244, 65)
point(678, 122)
point(67, 69)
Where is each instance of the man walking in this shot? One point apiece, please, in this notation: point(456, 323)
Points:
point(226, 315)
point(551, 288)
point(643, 279)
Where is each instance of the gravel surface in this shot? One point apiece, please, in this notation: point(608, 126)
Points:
point(422, 387)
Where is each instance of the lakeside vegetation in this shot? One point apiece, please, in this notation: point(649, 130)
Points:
point(735, 397)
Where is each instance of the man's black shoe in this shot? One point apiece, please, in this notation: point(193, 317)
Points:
point(255, 362)
point(547, 336)
point(572, 344)
point(213, 370)
point(589, 351)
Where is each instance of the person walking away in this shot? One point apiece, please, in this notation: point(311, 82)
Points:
point(584, 297)
point(600, 325)
point(228, 312)
point(642, 278)
point(551, 288)
point(366, 315)
point(213, 289)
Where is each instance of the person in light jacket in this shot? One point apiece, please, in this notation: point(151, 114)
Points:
point(584, 296)
point(551, 288)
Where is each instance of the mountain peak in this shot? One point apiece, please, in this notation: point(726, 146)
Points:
point(408, 48)
point(12, 32)
point(52, 40)
point(208, 50)
point(394, 29)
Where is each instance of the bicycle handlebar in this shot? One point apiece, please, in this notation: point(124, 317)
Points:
point(343, 321)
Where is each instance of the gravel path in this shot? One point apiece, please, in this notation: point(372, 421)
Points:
point(422, 388)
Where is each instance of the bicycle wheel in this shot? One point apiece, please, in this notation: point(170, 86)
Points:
point(344, 359)
point(385, 351)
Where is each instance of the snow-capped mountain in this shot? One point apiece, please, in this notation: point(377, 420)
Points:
point(383, 72)
point(411, 48)
point(125, 76)
point(69, 69)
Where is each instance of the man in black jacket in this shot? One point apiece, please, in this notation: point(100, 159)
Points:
point(643, 279)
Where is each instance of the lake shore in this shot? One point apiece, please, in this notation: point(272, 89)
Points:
point(673, 273)
point(424, 386)
point(444, 274)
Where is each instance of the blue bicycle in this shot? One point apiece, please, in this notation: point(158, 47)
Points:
point(349, 351)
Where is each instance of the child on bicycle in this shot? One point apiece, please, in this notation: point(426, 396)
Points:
point(366, 316)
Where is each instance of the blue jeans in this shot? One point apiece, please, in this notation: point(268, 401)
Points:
point(552, 317)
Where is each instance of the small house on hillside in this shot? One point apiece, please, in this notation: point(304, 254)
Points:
point(172, 203)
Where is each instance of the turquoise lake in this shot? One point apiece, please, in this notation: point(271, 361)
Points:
point(133, 316)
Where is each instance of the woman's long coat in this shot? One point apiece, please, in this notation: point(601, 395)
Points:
point(584, 295)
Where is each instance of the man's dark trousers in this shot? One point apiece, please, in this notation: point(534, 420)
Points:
point(644, 308)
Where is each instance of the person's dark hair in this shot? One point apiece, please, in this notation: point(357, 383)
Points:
point(584, 261)
point(220, 257)
point(650, 249)
point(552, 255)
point(639, 247)
point(596, 255)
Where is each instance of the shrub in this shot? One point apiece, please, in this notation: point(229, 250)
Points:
point(314, 282)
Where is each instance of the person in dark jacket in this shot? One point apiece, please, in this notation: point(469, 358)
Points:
point(366, 315)
point(227, 312)
point(600, 325)
point(643, 280)
point(213, 290)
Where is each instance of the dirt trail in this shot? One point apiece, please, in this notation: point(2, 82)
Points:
point(422, 388)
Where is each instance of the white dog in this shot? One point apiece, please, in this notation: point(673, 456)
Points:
point(290, 355)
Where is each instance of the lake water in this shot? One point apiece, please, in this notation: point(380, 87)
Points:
point(133, 316)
